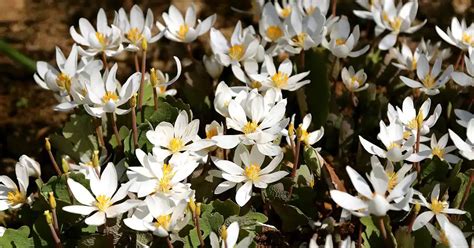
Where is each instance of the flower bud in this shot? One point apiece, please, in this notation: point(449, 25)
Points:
point(154, 78)
point(95, 159)
point(417, 207)
point(133, 100)
point(52, 200)
point(213, 67)
point(47, 145)
point(192, 205)
point(49, 217)
point(144, 44)
point(198, 209)
point(291, 129)
point(65, 165)
point(224, 232)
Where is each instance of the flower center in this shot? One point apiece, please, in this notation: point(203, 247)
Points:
point(250, 127)
point(103, 203)
point(438, 206)
point(64, 81)
point(392, 180)
point(252, 172)
point(310, 10)
point(437, 151)
point(299, 39)
point(110, 96)
point(280, 79)
point(101, 38)
point(393, 145)
point(15, 197)
point(428, 81)
point(303, 133)
point(175, 145)
point(413, 64)
point(162, 89)
point(134, 35)
point(183, 30)
point(164, 184)
point(396, 24)
point(355, 82)
point(211, 133)
point(163, 221)
point(443, 238)
point(236, 52)
point(467, 38)
point(286, 11)
point(255, 84)
point(340, 42)
point(274, 32)
point(417, 122)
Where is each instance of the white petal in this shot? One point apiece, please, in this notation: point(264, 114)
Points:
point(244, 193)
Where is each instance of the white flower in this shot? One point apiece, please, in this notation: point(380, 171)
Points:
point(105, 194)
point(309, 6)
point(253, 76)
point(104, 94)
point(184, 29)
point(431, 81)
point(224, 94)
point(462, 78)
point(433, 51)
point(370, 6)
point(354, 81)
point(165, 217)
point(213, 67)
point(137, 28)
point(251, 175)
point(466, 148)
point(450, 235)
point(328, 243)
point(418, 121)
point(214, 129)
point(11, 195)
point(182, 137)
point(376, 202)
point(241, 47)
point(107, 39)
point(309, 138)
point(437, 208)
point(459, 35)
point(394, 178)
point(259, 122)
point(32, 167)
point(270, 26)
point(228, 237)
point(155, 176)
point(392, 137)
point(406, 59)
point(342, 41)
point(160, 80)
point(463, 117)
point(396, 19)
point(304, 32)
point(285, 9)
point(438, 149)
point(282, 79)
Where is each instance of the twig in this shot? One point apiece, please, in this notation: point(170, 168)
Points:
point(51, 157)
point(98, 131)
point(142, 81)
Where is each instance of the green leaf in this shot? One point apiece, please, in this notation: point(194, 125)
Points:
point(318, 91)
point(227, 208)
point(435, 170)
point(311, 159)
point(371, 235)
point(277, 192)
point(211, 222)
point(291, 216)
point(79, 130)
point(16, 238)
point(404, 238)
point(423, 238)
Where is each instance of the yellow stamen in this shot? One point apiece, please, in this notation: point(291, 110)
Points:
point(428, 81)
point(64, 82)
point(110, 96)
point(162, 89)
point(467, 38)
point(224, 232)
point(250, 127)
point(310, 10)
point(396, 24)
point(164, 184)
point(163, 221)
point(102, 39)
point(299, 39)
point(443, 238)
point(393, 145)
point(417, 122)
point(255, 85)
point(252, 172)
point(175, 145)
point(183, 30)
point(236, 52)
point(16, 197)
point(392, 180)
point(340, 42)
point(274, 32)
point(438, 206)
point(211, 132)
point(311, 182)
point(280, 79)
point(103, 203)
point(134, 35)
point(303, 134)
point(437, 151)
point(413, 64)
point(285, 12)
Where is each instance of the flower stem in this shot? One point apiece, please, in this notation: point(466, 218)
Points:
point(104, 61)
point(133, 106)
point(382, 228)
point(98, 131)
point(142, 82)
point(115, 129)
point(198, 228)
point(168, 242)
point(51, 157)
point(295, 165)
point(137, 65)
point(57, 241)
point(417, 149)
point(467, 190)
point(55, 220)
point(334, 5)
point(459, 61)
point(155, 99)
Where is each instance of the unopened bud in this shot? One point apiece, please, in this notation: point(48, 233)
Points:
point(144, 44)
point(52, 200)
point(198, 209)
point(417, 207)
point(192, 205)
point(95, 159)
point(224, 232)
point(133, 100)
point(153, 78)
point(49, 217)
point(291, 129)
point(299, 131)
point(65, 165)
point(47, 145)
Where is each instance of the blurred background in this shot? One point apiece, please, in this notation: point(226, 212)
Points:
point(31, 29)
